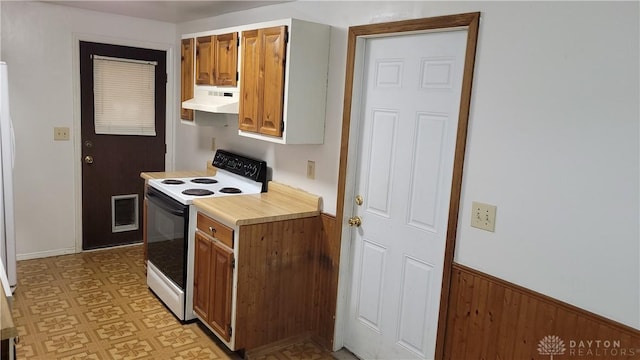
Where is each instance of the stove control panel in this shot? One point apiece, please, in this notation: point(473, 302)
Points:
point(253, 169)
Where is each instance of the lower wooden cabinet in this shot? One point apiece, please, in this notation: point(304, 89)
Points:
point(261, 290)
point(213, 284)
point(202, 275)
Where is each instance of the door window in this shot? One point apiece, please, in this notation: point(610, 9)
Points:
point(124, 96)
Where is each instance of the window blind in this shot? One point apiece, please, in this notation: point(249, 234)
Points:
point(123, 95)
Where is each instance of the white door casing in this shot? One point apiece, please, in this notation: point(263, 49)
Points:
point(409, 106)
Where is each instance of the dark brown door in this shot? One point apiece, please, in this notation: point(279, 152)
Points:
point(111, 164)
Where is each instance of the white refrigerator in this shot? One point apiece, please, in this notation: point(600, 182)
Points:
point(7, 158)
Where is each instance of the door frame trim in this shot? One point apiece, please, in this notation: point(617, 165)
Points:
point(170, 112)
point(356, 36)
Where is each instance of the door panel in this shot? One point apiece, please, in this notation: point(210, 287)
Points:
point(410, 102)
point(274, 46)
point(186, 86)
point(251, 90)
point(423, 200)
point(221, 287)
point(226, 59)
point(371, 292)
point(204, 60)
point(202, 275)
point(383, 128)
point(117, 159)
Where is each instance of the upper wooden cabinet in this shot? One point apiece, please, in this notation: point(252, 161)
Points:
point(217, 59)
point(226, 60)
point(283, 82)
point(186, 84)
point(280, 91)
point(204, 60)
point(262, 89)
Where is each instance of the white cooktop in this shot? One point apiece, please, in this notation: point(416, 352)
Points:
point(224, 179)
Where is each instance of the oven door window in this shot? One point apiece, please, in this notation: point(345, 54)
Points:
point(167, 236)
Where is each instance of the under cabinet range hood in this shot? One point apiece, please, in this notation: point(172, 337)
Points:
point(224, 101)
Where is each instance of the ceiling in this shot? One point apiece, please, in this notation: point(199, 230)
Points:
point(169, 11)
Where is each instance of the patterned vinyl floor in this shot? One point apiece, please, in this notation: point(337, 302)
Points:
point(96, 305)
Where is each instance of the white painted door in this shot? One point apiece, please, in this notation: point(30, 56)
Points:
point(410, 99)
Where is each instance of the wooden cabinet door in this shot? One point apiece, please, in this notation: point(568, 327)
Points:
point(204, 60)
point(220, 290)
point(226, 59)
point(202, 275)
point(262, 85)
point(273, 52)
point(250, 90)
point(186, 78)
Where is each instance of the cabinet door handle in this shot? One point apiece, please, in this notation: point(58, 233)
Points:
point(212, 230)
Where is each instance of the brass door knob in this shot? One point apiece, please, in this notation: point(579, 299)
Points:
point(355, 221)
point(88, 159)
point(359, 200)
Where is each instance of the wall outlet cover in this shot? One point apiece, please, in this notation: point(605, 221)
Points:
point(60, 133)
point(483, 216)
point(311, 169)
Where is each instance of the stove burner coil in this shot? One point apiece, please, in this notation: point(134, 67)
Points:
point(172, 182)
point(230, 190)
point(198, 192)
point(204, 181)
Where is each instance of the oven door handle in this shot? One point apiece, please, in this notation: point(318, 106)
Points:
point(160, 204)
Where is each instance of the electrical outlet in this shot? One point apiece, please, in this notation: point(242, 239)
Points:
point(311, 169)
point(483, 216)
point(61, 133)
point(213, 144)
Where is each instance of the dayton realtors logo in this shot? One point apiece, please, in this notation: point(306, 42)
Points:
point(553, 345)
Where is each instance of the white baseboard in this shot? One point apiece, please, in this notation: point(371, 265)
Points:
point(43, 254)
point(57, 252)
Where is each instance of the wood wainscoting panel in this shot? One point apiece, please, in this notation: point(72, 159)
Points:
point(274, 295)
point(325, 295)
point(490, 318)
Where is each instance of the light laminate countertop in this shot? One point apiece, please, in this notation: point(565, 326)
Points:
point(280, 202)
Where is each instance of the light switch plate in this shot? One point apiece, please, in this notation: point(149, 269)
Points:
point(483, 216)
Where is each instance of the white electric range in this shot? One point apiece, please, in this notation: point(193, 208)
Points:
point(171, 223)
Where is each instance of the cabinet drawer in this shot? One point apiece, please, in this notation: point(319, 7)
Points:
point(215, 229)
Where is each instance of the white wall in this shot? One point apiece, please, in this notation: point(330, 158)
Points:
point(554, 143)
point(553, 140)
point(553, 137)
point(38, 46)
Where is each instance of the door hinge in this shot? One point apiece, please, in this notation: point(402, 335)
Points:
point(238, 40)
point(165, 148)
point(282, 125)
point(233, 263)
point(166, 78)
point(237, 76)
point(229, 329)
point(286, 37)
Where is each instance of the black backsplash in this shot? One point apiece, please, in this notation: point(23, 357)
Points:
point(253, 169)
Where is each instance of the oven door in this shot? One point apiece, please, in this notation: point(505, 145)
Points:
point(167, 227)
